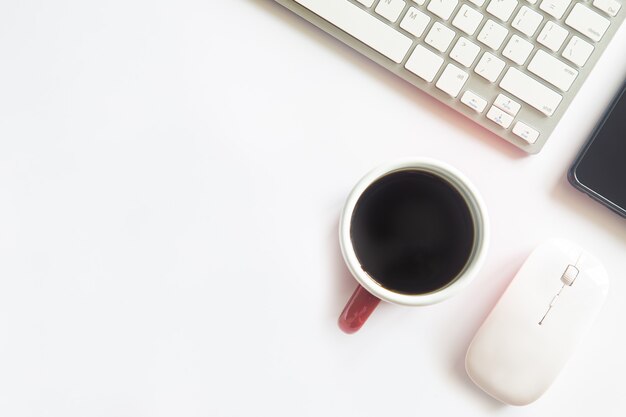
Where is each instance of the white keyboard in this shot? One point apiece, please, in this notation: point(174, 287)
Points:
point(513, 66)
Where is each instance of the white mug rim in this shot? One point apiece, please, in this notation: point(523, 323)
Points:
point(479, 217)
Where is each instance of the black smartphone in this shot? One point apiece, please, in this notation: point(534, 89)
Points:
point(600, 168)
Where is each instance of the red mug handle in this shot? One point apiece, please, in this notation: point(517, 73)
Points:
point(358, 309)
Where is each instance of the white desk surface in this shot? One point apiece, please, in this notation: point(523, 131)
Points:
point(171, 175)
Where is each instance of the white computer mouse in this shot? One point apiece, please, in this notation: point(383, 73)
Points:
point(532, 331)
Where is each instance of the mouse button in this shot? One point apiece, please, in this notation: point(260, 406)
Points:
point(570, 312)
point(553, 258)
point(542, 271)
point(584, 296)
point(593, 270)
point(519, 301)
point(575, 311)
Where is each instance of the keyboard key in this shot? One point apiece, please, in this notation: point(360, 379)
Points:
point(610, 7)
point(363, 26)
point(390, 9)
point(442, 8)
point(415, 22)
point(478, 3)
point(492, 35)
point(517, 50)
point(452, 80)
point(424, 63)
point(499, 117)
point(504, 103)
point(531, 91)
point(474, 101)
point(527, 21)
point(489, 67)
point(366, 3)
point(467, 19)
point(440, 37)
point(502, 9)
point(526, 132)
point(465, 52)
point(552, 70)
point(552, 36)
point(587, 22)
point(578, 51)
point(555, 8)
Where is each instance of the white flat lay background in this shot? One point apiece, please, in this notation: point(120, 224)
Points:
point(171, 177)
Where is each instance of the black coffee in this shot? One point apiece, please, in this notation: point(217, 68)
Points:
point(412, 232)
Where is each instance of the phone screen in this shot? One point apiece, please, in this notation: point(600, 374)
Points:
point(602, 168)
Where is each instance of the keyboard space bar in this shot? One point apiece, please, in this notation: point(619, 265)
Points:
point(361, 25)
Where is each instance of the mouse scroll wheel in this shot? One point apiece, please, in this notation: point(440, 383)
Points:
point(570, 274)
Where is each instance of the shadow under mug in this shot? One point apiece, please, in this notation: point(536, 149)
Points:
point(369, 293)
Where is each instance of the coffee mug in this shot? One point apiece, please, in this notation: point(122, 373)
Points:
point(413, 232)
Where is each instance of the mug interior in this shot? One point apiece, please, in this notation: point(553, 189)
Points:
point(479, 222)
